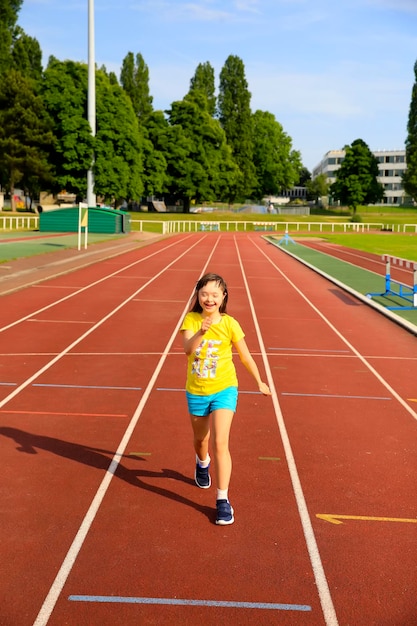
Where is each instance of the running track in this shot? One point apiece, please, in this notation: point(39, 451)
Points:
point(101, 521)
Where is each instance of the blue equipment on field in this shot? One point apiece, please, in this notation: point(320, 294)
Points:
point(395, 288)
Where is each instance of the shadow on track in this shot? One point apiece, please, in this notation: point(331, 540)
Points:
point(30, 443)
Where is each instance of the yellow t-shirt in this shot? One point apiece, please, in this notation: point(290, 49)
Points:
point(210, 368)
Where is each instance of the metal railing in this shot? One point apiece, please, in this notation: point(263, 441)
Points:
point(19, 222)
point(186, 226)
point(31, 222)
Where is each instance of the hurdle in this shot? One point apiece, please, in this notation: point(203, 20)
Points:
point(397, 289)
point(286, 239)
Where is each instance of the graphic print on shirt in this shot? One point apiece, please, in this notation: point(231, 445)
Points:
point(206, 367)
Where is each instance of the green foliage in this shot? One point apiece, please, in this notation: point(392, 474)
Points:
point(118, 144)
point(26, 55)
point(189, 154)
point(356, 179)
point(410, 175)
point(134, 78)
point(277, 165)
point(304, 177)
point(318, 187)
point(156, 178)
point(200, 163)
point(236, 119)
point(25, 135)
point(9, 10)
point(64, 91)
point(203, 83)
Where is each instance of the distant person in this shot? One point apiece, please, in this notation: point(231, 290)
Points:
point(212, 388)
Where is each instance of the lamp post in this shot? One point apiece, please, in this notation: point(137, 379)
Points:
point(91, 197)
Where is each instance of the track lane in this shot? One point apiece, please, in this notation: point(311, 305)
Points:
point(184, 528)
point(358, 432)
point(140, 496)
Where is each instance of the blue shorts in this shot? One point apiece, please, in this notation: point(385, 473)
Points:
point(204, 405)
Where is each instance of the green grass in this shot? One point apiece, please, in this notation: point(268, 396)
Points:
point(394, 244)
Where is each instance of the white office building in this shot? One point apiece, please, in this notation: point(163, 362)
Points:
point(391, 164)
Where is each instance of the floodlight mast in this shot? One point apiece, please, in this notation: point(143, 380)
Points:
point(91, 197)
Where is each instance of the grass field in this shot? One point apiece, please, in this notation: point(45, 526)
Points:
point(378, 241)
point(395, 244)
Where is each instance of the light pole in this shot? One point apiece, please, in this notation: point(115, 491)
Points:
point(91, 196)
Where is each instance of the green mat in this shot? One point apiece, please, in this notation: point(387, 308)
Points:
point(356, 278)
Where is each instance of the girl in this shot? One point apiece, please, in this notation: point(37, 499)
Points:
point(211, 389)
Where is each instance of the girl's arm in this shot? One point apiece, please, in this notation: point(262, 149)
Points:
point(249, 363)
point(191, 340)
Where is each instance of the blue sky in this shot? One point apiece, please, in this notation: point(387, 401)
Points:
point(330, 71)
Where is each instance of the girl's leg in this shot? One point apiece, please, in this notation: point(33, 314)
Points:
point(201, 430)
point(221, 424)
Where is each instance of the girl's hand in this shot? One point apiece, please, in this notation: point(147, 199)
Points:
point(205, 324)
point(263, 388)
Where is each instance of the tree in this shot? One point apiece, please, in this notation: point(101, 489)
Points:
point(64, 90)
point(9, 10)
point(118, 144)
point(318, 187)
point(200, 162)
point(203, 82)
point(25, 135)
point(134, 78)
point(277, 165)
point(26, 55)
point(236, 119)
point(356, 179)
point(155, 175)
point(410, 174)
point(304, 177)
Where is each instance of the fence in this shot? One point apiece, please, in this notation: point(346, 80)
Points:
point(19, 222)
point(31, 222)
point(185, 226)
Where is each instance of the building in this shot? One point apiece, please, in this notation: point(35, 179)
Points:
point(391, 164)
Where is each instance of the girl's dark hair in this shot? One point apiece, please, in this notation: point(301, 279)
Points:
point(209, 278)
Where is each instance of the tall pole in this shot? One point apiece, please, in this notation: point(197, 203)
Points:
point(91, 197)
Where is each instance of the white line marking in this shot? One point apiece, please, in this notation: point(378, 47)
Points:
point(97, 282)
point(345, 341)
point(59, 356)
point(312, 547)
point(72, 554)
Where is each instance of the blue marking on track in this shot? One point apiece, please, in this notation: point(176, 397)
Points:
point(85, 386)
point(330, 395)
point(179, 602)
point(8, 384)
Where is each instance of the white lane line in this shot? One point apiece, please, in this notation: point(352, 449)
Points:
point(59, 356)
point(72, 554)
point(93, 284)
point(363, 359)
point(329, 612)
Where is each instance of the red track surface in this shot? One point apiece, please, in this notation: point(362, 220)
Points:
point(98, 500)
point(367, 260)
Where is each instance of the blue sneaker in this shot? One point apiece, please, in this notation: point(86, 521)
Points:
point(202, 476)
point(224, 513)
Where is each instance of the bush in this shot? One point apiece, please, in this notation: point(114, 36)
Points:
point(356, 218)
